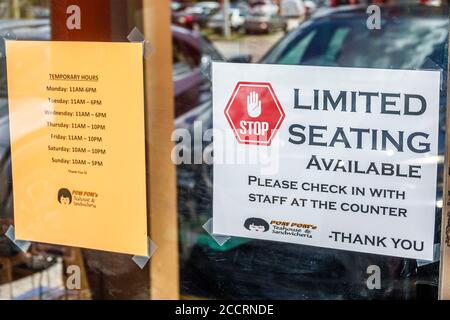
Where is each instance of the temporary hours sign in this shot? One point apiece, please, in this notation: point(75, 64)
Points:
point(76, 114)
point(343, 158)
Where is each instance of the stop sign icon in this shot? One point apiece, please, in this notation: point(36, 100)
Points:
point(254, 113)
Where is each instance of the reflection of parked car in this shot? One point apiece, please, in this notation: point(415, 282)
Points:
point(236, 19)
point(177, 6)
point(262, 7)
point(310, 7)
point(195, 16)
point(203, 7)
point(201, 12)
point(179, 15)
point(183, 19)
point(266, 23)
point(412, 37)
point(335, 3)
point(294, 12)
point(293, 8)
point(190, 50)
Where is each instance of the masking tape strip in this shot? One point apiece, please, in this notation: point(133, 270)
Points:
point(436, 256)
point(141, 261)
point(221, 240)
point(136, 36)
point(21, 244)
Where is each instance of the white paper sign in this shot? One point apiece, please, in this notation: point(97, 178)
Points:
point(342, 158)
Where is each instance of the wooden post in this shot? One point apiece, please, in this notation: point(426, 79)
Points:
point(164, 270)
point(444, 278)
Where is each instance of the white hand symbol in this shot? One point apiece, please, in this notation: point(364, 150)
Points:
point(253, 105)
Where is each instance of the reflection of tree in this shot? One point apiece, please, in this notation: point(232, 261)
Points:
point(14, 8)
point(18, 9)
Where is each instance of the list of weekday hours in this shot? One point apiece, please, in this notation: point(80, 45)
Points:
point(78, 144)
point(77, 133)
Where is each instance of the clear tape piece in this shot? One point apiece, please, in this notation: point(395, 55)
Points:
point(8, 35)
point(4, 36)
point(206, 67)
point(142, 261)
point(24, 246)
point(221, 240)
point(436, 256)
point(136, 36)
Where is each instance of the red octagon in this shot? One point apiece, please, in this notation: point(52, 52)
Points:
point(254, 113)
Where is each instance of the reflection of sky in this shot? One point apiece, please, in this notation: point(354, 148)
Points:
point(404, 45)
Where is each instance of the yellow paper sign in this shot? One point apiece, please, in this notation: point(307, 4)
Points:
point(76, 114)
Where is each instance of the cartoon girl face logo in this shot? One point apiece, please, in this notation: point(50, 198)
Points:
point(256, 225)
point(64, 196)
